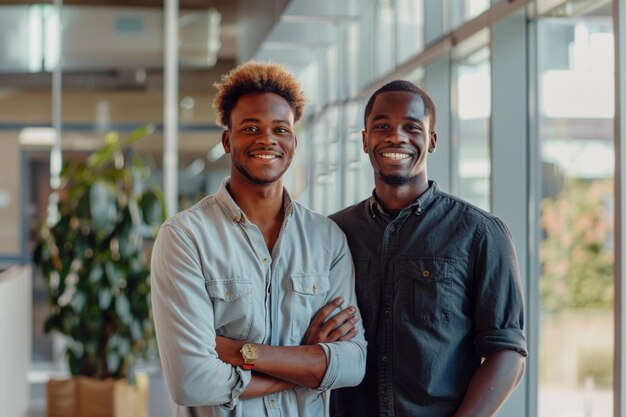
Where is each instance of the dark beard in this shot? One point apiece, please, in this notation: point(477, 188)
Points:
point(255, 180)
point(397, 180)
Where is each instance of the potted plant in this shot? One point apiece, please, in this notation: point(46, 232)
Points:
point(93, 262)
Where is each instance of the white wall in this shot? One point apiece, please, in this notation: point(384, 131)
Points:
point(15, 337)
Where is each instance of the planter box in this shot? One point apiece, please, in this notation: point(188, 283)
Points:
point(88, 397)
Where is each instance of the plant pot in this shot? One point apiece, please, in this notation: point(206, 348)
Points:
point(89, 397)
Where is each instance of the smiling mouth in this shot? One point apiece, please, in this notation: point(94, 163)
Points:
point(265, 156)
point(396, 156)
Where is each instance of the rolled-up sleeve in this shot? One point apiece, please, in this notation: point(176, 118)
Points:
point(346, 359)
point(499, 314)
point(184, 321)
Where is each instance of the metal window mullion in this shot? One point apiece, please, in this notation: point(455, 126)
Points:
point(619, 385)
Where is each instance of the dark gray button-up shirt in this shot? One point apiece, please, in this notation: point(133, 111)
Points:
point(438, 287)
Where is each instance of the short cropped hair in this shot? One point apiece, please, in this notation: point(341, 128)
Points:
point(409, 87)
point(257, 77)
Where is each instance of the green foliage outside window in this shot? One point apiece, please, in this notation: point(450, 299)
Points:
point(577, 251)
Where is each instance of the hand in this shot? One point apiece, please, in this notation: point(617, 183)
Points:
point(341, 326)
point(228, 350)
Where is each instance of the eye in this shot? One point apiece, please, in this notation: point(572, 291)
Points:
point(281, 130)
point(380, 126)
point(413, 128)
point(251, 129)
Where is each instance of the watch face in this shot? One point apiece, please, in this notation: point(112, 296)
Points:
point(250, 351)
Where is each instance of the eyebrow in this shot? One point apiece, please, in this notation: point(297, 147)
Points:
point(385, 116)
point(254, 120)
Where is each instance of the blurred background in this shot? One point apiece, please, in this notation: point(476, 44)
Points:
point(526, 94)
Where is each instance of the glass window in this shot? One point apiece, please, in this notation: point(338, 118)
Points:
point(471, 118)
point(575, 111)
point(326, 174)
point(385, 57)
point(409, 28)
point(460, 11)
point(359, 173)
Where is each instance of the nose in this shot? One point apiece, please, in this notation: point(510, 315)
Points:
point(397, 135)
point(266, 138)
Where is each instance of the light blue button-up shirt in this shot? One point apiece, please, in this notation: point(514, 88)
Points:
point(213, 275)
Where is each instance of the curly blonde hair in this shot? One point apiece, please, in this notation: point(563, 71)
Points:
point(254, 77)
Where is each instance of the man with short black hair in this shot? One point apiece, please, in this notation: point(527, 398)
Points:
point(437, 280)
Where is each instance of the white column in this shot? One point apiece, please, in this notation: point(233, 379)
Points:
point(56, 158)
point(170, 108)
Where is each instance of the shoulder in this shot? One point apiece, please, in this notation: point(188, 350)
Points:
point(193, 218)
point(461, 206)
point(314, 222)
point(351, 215)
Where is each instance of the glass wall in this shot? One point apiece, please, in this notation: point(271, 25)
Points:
point(471, 118)
point(575, 97)
point(409, 28)
point(460, 11)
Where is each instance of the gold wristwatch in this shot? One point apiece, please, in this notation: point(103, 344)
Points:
point(250, 354)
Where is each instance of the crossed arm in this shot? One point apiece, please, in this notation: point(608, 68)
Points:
point(279, 368)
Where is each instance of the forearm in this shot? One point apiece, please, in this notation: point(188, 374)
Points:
point(300, 365)
point(492, 384)
point(264, 385)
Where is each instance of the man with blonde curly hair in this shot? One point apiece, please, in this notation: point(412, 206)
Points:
point(238, 278)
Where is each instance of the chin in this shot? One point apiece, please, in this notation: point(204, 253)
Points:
point(398, 180)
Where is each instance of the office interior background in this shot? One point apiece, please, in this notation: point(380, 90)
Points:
point(530, 100)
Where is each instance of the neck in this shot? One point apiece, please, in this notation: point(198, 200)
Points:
point(397, 197)
point(262, 204)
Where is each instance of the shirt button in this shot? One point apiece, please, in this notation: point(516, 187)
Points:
point(264, 260)
point(426, 274)
point(386, 400)
point(387, 312)
point(392, 228)
point(385, 359)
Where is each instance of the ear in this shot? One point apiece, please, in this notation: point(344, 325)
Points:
point(364, 137)
point(226, 140)
point(433, 141)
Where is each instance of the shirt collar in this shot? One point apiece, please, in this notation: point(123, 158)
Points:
point(418, 206)
point(236, 214)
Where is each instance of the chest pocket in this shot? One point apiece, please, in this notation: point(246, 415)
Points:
point(232, 304)
point(426, 290)
point(308, 296)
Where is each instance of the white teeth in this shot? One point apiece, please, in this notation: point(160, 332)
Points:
point(264, 156)
point(396, 156)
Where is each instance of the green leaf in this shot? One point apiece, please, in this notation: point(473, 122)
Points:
point(138, 134)
point(113, 273)
point(96, 274)
point(103, 207)
point(52, 323)
point(78, 302)
point(122, 308)
point(113, 361)
point(106, 154)
point(152, 208)
point(104, 298)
